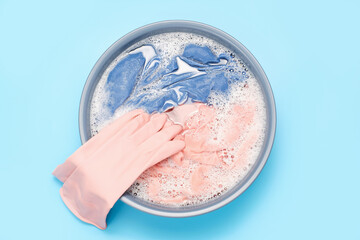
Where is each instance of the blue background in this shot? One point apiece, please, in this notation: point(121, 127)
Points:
point(309, 189)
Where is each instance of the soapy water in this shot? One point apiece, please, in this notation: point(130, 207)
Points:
point(175, 69)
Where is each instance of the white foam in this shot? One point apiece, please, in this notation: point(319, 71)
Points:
point(183, 67)
point(168, 46)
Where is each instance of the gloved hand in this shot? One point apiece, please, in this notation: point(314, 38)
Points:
point(94, 184)
point(63, 171)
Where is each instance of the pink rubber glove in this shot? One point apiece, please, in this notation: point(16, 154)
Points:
point(122, 124)
point(96, 184)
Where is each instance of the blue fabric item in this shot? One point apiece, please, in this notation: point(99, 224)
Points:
point(121, 81)
point(137, 80)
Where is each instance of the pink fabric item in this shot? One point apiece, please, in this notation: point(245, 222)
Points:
point(198, 120)
point(197, 131)
point(102, 170)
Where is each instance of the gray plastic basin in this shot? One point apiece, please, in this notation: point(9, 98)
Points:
point(210, 32)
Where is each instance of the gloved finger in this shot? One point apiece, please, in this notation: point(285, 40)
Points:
point(168, 123)
point(154, 125)
point(166, 150)
point(63, 171)
point(119, 123)
point(163, 136)
point(134, 125)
